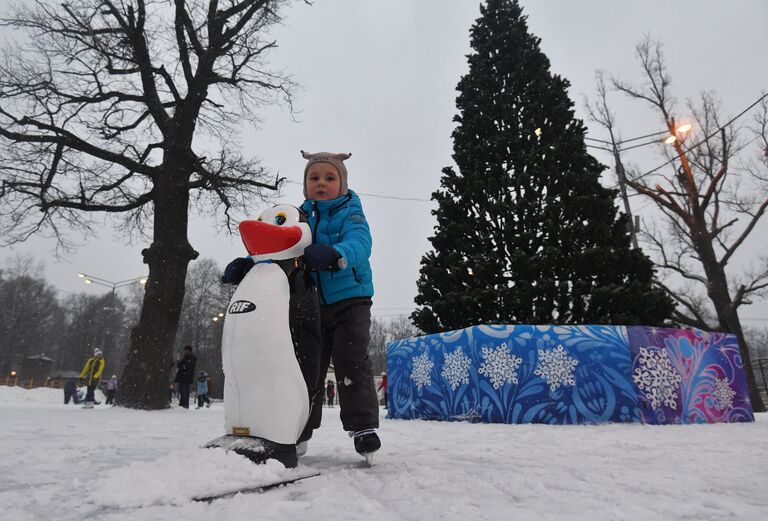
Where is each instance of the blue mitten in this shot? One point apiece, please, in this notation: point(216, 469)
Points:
point(236, 270)
point(321, 257)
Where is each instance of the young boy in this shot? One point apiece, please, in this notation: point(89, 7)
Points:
point(338, 255)
point(201, 390)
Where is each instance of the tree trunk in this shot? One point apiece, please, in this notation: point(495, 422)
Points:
point(150, 359)
point(717, 289)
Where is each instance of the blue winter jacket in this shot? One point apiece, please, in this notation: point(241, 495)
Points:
point(341, 223)
point(202, 386)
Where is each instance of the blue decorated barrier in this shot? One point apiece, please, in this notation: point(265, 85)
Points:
point(568, 375)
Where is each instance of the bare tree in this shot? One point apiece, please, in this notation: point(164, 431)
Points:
point(710, 202)
point(377, 347)
point(201, 325)
point(129, 107)
point(385, 331)
point(29, 314)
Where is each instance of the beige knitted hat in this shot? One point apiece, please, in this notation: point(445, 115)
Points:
point(336, 160)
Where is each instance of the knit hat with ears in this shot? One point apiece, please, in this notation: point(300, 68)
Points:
point(336, 160)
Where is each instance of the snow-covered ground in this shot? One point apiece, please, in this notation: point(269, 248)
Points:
point(63, 463)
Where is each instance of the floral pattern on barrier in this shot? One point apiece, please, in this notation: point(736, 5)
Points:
point(514, 374)
point(688, 376)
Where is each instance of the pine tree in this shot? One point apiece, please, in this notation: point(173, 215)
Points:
point(525, 231)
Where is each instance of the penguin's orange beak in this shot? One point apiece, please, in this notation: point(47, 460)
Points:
point(261, 238)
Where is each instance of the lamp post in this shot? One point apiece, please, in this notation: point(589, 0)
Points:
point(673, 135)
point(90, 279)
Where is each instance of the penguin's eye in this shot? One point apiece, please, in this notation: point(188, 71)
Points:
point(280, 219)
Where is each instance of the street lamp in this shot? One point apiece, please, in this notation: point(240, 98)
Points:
point(90, 279)
point(678, 133)
point(674, 133)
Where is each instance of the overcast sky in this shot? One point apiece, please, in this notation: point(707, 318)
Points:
point(378, 80)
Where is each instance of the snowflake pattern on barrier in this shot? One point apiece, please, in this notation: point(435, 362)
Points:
point(723, 394)
point(556, 367)
point(657, 378)
point(499, 365)
point(422, 369)
point(456, 368)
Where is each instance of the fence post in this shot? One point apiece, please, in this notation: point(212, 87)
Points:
point(762, 373)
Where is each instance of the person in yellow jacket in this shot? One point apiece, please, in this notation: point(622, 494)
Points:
point(91, 373)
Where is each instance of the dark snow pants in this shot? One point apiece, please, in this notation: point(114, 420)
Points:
point(90, 392)
point(346, 332)
point(184, 395)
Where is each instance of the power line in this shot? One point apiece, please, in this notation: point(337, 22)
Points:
point(737, 116)
point(621, 142)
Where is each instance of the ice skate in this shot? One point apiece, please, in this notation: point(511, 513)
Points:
point(366, 443)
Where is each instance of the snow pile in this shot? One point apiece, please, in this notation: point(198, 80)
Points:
point(20, 395)
point(209, 472)
point(112, 464)
point(40, 395)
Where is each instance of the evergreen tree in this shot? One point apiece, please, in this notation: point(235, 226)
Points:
point(525, 231)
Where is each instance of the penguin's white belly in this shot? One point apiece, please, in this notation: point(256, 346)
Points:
point(264, 390)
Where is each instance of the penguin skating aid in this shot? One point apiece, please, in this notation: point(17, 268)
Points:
point(266, 367)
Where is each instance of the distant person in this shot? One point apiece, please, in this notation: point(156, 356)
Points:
point(111, 389)
point(185, 375)
point(91, 374)
point(70, 391)
point(383, 387)
point(330, 392)
point(202, 390)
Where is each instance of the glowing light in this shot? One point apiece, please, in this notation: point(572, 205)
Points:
point(13, 373)
point(537, 132)
point(215, 319)
point(143, 281)
point(685, 127)
point(81, 275)
point(670, 139)
point(88, 281)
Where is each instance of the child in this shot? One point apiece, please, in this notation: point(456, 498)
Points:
point(339, 257)
point(330, 392)
point(202, 390)
point(111, 388)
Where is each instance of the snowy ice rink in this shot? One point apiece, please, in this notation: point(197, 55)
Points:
point(64, 463)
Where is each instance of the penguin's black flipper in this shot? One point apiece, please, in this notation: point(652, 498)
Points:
point(304, 320)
